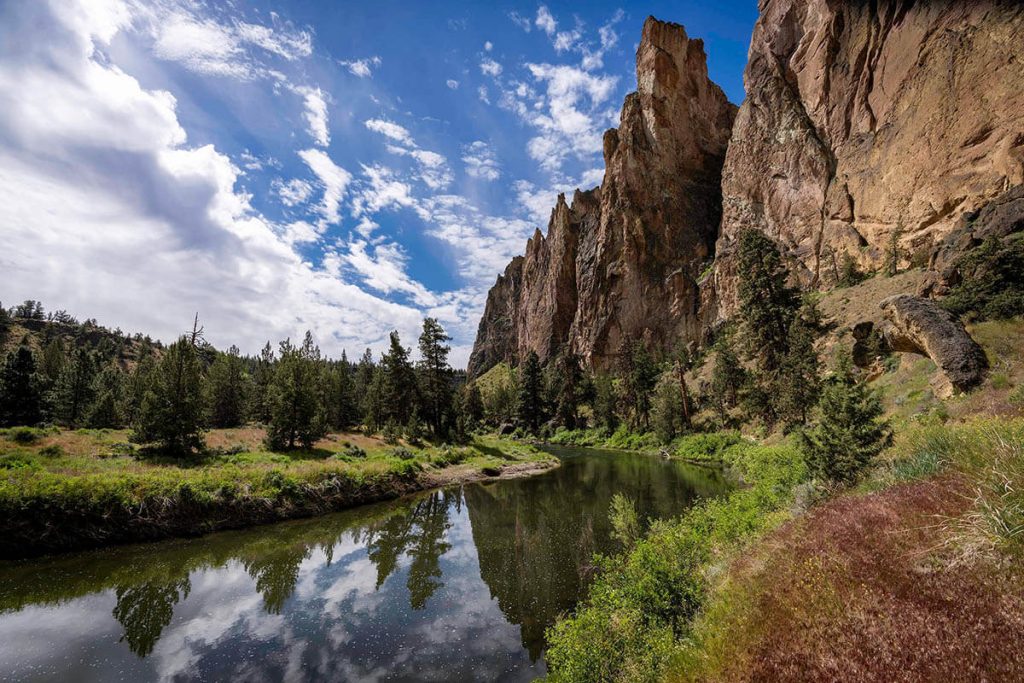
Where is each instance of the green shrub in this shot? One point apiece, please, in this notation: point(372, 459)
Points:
point(1016, 397)
point(25, 435)
point(402, 453)
point(1000, 380)
point(51, 451)
point(705, 446)
point(18, 461)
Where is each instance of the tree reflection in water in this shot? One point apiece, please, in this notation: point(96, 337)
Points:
point(144, 610)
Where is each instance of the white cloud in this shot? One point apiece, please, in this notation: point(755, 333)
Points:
point(384, 270)
point(390, 129)
point(293, 192)
point(433, 167)
point(488, 46)
point(480, 161)
point(380, 190)
point(362, 67)
point(545, 22)
point(481, 92)
point(520, 21)
point(452, 83)
point(490, 68)
point(333, 180)
point(316, 114)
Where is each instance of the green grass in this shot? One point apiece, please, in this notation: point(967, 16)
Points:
point(621, 439)
point(640, 607)
point(90, 476)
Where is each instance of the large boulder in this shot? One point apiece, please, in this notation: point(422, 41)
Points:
point(916, 325)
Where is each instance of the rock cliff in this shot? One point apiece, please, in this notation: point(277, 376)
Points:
point(867, 123)
point(623, 260)
point(870, 128)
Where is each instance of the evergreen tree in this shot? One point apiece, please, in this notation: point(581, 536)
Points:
point(5, 325)
point(667, 409)
point(530, 406)
point(435, 376)
point(19, 393)
point(363, 379)
point(798, 385)
point(229, 389)
point(340, 399)
point(53, 361)
point(728, 376)
point(173, 407)
point(472, 406)
point(567, 385)
point(262, 378)
point(296, 414)
point(606, 402)
point(767, 305)
point(107, 407)
point(640, 376)
point(849, 433)
point(136, 385)
point(375, 414)
point(74, 391)
point(400, 395)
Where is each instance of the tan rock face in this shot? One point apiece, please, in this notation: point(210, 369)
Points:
point(868, 118)
point(622, 261)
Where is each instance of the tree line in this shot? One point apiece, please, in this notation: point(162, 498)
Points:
point(170, 396)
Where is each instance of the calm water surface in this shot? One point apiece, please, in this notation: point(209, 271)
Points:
point(451, 585)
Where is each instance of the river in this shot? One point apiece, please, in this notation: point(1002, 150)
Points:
point(449, 585)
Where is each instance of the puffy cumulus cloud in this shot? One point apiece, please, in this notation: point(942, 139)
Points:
point(361, 67)
point(389, 129)
point(315, 114)
point(574, 115)
point(480, 161)
point(545, 21)
point(110, 212)
point(490, 67)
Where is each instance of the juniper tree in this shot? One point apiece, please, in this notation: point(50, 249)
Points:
point(798, 386)
point(767, 305)
point(107, 410)
point(530, 403)
point(228, 389)
point(173, 408)
point(849, 433)
point(640, 374)
point(74, 391)
point(19, 393)
point(435, 376)
point(296, 413)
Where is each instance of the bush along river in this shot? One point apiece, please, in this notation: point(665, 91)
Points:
point(449, 585)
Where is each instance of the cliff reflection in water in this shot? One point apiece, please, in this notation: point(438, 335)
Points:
point(454, 584)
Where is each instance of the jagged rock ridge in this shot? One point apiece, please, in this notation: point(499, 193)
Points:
point(622, 261)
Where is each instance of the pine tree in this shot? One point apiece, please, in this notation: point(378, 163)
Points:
point(136, 385)
point(667, 409)
point(228, 386)
point(173, 408)
point(798, 385)
point(567, 384)
point(640, 374)
point(400, 394)
point(530, 406)
point(375, 412)
point(363, 378)
point(340, 398)
point(728, 377)
point(262, 378)
point(472, 406)
point(767, 305)
point(74, 391)
point(107, 407)
point(606, 402)
point(849, 433)
point(53, 361)
point(435, 376)
point(20, 402)
point(296, 413)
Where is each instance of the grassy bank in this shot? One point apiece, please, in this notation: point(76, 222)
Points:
point(65, 490)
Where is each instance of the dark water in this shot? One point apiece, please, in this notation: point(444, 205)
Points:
point(451, 585)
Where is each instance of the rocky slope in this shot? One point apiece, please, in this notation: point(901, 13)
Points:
point(622, 260)
point(866, 123)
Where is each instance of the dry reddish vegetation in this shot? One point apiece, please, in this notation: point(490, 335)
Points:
point(865, 588)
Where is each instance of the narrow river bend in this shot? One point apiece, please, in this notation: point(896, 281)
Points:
point(450, 585)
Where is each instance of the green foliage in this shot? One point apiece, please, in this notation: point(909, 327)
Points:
point(849, 433)
point(472, 405)
point(728, 376)
point(606, 402)
point(107, 410)
point(568, 387)
point(296, 414)
point(667, 415)
point(530, 404)
point(20, 402)
point(262, 378)
point(798, 385)
point(625, 521)
point(74, 392)
point(399, 391)
point(706, 446)
point(641, 605)
point(1016, 397)
point(24, 435)
point(173, 408)
point(640, 373)
point(228, 385)
point(435, 377)
point(991, 287)
point(767, 305)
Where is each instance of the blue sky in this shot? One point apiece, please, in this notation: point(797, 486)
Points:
point(343, 167)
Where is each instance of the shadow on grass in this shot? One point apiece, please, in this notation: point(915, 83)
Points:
point(492, 451)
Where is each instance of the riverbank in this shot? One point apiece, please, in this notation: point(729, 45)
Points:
point(66, 490)
point(785, 580)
